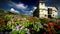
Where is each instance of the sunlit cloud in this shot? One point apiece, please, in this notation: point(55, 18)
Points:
point(13, 10)
point(33, 9)
point(21, 6)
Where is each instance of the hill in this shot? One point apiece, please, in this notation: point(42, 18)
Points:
point(17, 23)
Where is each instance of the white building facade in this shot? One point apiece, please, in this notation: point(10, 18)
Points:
point(47, 12)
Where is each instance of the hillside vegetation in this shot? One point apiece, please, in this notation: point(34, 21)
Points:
point(24, 24)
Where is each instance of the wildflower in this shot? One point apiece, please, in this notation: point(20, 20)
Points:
point(48, 29)
point(51, 24)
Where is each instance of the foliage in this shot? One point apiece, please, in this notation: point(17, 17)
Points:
point(15, 32)
point(8, 17)
point(19, 32)
point(26, 21)
point(27, 24)
point(2, 28)
point(38, 20)
point(54, 19)
point(37, 26)
point(45, 21)
point(22, 31)
point(11, 26)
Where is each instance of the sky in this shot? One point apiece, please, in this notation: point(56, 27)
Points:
point(25, 6)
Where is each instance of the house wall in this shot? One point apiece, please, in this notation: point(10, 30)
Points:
point(43, 13)
point(54, 14)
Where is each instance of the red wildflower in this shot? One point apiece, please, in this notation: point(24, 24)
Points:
point(51, 24)
point(48, 29)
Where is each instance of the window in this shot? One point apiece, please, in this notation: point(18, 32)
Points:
point(45, 15)
point(49, 11)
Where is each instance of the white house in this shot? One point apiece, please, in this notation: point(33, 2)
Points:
point(43, 11)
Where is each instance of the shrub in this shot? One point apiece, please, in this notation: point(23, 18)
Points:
point(37, 26)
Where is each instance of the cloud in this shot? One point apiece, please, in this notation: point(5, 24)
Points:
point(24, 8)
point(19, 5)
point(33, 9)
point(14, 11)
